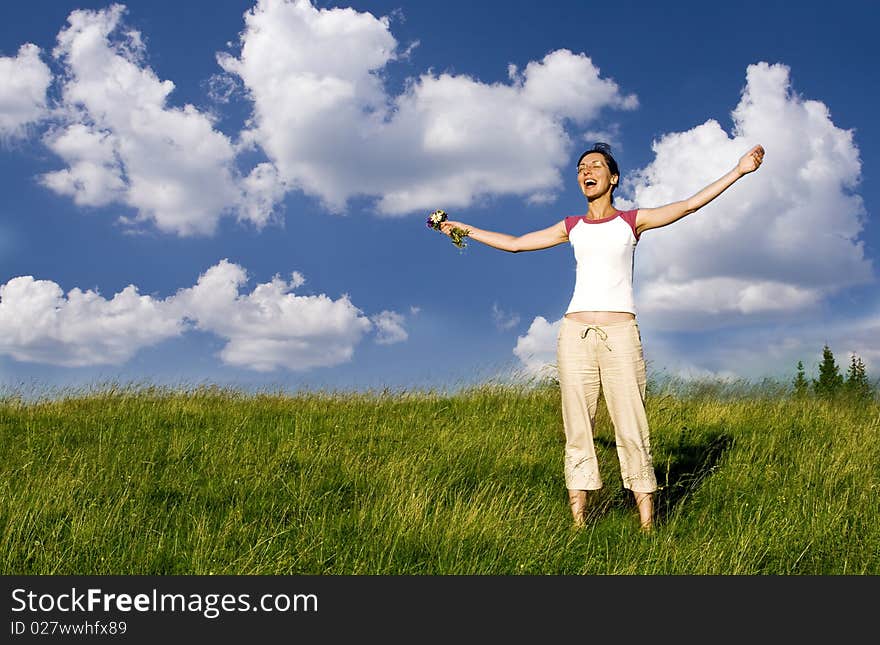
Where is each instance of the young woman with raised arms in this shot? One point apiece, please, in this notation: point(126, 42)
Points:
point(599, 344)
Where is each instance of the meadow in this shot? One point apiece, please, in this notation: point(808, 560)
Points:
point(141, 479)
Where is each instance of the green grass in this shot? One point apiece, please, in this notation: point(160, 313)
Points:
point(148, 480)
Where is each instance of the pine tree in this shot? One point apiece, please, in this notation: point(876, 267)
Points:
point(857, 384)
point(830, 380)
point(801, 386)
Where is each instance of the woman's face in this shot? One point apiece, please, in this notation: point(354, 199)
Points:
point(594, 177)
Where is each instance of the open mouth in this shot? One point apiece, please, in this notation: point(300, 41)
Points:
point(590, 182)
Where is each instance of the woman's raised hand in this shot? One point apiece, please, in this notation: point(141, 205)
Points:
point(751, 160)
point(448, 225)
point(456, 231)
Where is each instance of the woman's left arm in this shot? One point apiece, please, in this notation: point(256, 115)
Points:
point(648, 218)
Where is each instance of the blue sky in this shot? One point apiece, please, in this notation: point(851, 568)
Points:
point(235, 192)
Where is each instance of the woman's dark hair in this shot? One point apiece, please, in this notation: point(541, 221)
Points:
point(605, 150)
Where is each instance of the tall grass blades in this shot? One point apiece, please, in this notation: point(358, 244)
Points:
point(202, 480)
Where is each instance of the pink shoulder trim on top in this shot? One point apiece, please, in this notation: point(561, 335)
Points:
point(627, 216)
point(630, 218)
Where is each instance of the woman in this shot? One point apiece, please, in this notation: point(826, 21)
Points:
point(599, 344)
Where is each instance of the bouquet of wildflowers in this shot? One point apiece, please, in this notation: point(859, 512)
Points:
point(436, 218)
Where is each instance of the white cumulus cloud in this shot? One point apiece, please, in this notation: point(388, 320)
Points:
point(24, 80)
point(265, 329)
point(271, 327)
point(778, 241)
point(40, 323)
point(536, 350)
point(124, 143)
point(389, 328)
point(321, 114)
point(324, 118)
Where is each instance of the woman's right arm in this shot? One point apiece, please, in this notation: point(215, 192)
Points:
point(533, 241)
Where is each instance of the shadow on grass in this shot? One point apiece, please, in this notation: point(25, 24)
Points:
point(680, 467)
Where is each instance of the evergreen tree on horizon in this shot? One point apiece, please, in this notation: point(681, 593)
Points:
point(830, 380)
point(857, 384)
point(800, 383)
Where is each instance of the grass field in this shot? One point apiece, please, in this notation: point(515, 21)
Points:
point(148, 480)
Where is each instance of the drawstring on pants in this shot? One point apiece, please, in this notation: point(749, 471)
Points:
point(603, 336)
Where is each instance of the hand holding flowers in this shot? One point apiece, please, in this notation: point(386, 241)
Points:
point(439, 221)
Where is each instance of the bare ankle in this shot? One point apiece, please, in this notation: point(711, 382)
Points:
point(577, 500)
point(645, 506)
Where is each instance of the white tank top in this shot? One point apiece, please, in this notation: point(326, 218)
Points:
point(604, 250)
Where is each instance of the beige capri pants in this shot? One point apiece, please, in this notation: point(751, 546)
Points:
point(610, 356)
